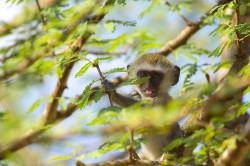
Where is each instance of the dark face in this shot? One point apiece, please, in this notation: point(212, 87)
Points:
point(150, 88)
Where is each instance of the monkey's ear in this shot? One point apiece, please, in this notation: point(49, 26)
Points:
point(176, 75)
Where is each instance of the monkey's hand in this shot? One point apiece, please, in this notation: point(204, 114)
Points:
point(108, 86)
point(134, 94)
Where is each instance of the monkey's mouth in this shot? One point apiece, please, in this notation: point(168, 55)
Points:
point(149, 93)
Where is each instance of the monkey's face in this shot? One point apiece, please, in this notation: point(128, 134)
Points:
point(163, 74)
point(150, 88)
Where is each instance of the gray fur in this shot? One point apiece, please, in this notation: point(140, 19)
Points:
point(156, 142)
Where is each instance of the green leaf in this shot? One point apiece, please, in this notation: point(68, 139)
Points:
point(219, 11)
point(244, 29)
point(124, 23)
point(38, 103)
point(92, 155)
point(247, 90)
point(243, 109)
point(108, 109)
point(217, 52)
point(106, 144)
point(83, 70)
point(134, 81)
point(122, 2)
point(2, 114)
point(97, 60)
point(217, 30)
point(60, 158)
point(191, 57)
point(98, 94)
point(106, 147)
point(106, 115)
point(188, 85)
point(174, 144)
point(153, 4)
point(121, 69)
point(81, 29)
point(143, 140)
point(230, 31)
point(245, 71)
point(223, 64)
point(176, 55)
point(62, 103)
point(85, 95)
point(110, 26)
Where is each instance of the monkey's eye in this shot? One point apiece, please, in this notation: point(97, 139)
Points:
point(142, 74)
point(156, 76)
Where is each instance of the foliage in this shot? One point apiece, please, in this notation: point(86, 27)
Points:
point(78, 34)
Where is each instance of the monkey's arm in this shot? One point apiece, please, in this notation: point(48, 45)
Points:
point(122, 100)
point(119, 99)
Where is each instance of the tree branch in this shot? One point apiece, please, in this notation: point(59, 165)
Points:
point(96, 65)
point(40, 10)
point(224, 97)
point(50, 112)
point(187, 33)
point(25, 64)
point(238, 41)
point(183, 17)
point(237, 151)
point(62, 114)
point(139, 162)
point(19, 19)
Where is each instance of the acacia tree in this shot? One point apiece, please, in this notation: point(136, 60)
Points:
point(53, 37)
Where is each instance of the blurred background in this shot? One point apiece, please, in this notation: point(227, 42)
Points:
point(73, 136)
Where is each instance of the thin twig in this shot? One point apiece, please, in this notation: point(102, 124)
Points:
point(130, 148)
point(51, 114)
point(40, 10)
point(239, 42)
point(25, 64)
point(16, 21)
point(234, 155)
point(132, 153)
point(104, 53)
point(209, 161)
point(244, 37)
point(187, 33)
point(96, 65)
point(183, 17)
point(208, 78)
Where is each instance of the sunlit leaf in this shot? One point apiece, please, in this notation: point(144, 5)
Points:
point(223, 64)
point(97, 60)
point(98, 94)
point(38, 103)
point(120, 69)
point(83, 70)
point(174, 144)
point(62, 103)
point(110, 27)
point(243, 109)
point(85, 95)
point(60, 158)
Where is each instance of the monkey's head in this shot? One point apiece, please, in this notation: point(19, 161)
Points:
point(163, 74)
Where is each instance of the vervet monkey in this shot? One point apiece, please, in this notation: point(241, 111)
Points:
point(162, 75)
